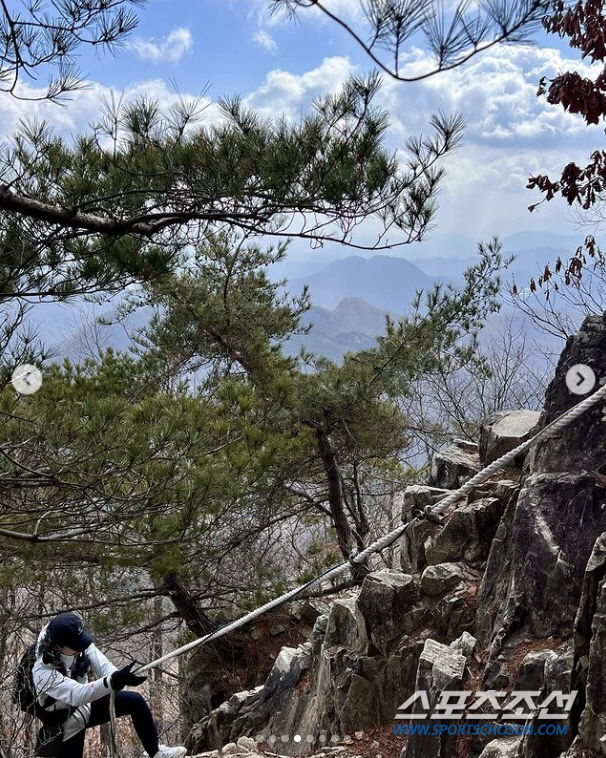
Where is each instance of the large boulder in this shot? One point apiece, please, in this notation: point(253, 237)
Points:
point(504, 489)
point(535, 569)
point(374, 688)
point(465, 644)
point(468, 533)
point(436, 580)
point(418, 496)
point(440, 668)
point(419, 535)
point(504, 431)
point(546, 671)
point(388, 602)
point(414, 544)
point(590, 649)
point(454, 612)
point(286, 671)
point(346, 627)
point(453, 466)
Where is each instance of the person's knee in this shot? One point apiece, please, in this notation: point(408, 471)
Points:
point(131, 702)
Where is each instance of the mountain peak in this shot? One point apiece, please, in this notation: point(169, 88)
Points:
point(388, 282)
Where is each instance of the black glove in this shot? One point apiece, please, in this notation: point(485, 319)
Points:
point(124, 676)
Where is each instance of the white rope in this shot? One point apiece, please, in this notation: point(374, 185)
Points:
point(379, 544)
point(245, 619)
point(547, 431)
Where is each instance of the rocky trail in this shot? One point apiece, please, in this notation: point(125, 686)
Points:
point(507, 594)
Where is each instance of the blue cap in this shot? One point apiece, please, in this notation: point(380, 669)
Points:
point(67, 630)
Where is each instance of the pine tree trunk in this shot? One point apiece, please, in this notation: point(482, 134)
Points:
point(196, 618)
point(336, 503)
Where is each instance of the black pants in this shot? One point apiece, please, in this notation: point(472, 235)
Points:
point(127, 704)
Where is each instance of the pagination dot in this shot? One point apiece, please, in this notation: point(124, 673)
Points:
point(297, 738)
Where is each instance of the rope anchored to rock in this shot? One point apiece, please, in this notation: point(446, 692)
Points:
point(432, 513)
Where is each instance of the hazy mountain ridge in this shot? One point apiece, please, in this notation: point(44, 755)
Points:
point(353, 325)
point(384, 281)
point(351, 296)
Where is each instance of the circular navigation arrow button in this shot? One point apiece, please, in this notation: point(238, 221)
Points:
point(580, 379)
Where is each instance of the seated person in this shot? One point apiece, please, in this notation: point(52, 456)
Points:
point(71, 674)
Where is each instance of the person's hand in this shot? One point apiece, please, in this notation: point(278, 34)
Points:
point(124, 677)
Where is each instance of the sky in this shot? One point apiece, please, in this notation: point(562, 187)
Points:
point(217, 48)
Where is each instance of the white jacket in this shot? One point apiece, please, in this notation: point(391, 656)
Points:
point(75, 693)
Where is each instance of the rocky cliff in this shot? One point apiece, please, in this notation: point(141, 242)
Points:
point(507, 594)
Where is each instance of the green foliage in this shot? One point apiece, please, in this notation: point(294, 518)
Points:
point(138, 472)
point(123, 203)
point(40, 36)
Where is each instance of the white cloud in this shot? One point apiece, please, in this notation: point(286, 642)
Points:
point(265, 40)
point(169, 50)
point(496, 93)
point(348, 10)
point(511, 134)
point(85, 106)
point(286, 94)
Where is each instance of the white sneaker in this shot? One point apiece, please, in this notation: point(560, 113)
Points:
point(170, 752)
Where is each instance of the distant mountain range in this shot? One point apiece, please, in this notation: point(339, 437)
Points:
point(353, 325)
point(351, 295)
point(384, 281)
point(301, 262)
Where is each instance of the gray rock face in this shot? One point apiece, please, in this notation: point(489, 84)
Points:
point(419, 536)
point(594, 575)
point(249, 711)
point(285, 672)
point(440, 668)
point(388, 602)
point(346, 689)
point(465, 644)
point(414, 544)
point(346, 627)
point(418, 496)
point(505, 430)
point(454, 466)
point(310, 610)
point(317, 634)
point(546, 671)
point(504, 747)
point(580, 446)
point(468, 533)
point(452, 613)
point(536, 564)
point(444, 576)
point(590, 648)
point(505, 490)
point(373, 689)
